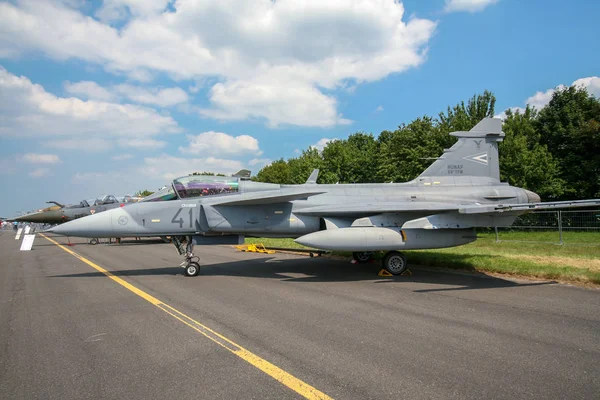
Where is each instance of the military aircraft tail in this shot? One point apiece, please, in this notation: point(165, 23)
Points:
point(474, 154)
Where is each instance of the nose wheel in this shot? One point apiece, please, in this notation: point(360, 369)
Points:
point(192, 269)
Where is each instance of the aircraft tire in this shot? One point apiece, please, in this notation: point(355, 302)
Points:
point(395, 263)
point(192, 269)
point(362, 257)
point(94, 241)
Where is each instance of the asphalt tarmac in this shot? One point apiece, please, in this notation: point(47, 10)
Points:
point(281, 325)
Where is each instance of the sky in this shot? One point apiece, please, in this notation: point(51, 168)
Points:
point(117, 96)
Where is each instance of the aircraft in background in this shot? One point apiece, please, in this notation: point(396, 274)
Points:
point(59, 213)
point(460, 191)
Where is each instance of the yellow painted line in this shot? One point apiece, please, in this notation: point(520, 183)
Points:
point(156, 220)
point(285, 378)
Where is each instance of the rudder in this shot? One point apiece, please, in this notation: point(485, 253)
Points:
point(474, 154)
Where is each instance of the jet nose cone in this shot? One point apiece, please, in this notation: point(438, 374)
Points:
point(96, 225)
point(532, 197)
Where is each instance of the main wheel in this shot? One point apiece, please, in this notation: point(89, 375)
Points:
point(395, 263)
point(192, 269)
point(94, 241)
point(362, 256)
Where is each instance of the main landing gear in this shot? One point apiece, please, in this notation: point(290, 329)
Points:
point(362, 257)
point(185, 247)
point(394, 262)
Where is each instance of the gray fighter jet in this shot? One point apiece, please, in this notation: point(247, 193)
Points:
point(59, 213)
point(459, 192)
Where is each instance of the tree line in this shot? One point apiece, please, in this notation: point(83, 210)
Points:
point(554, 151)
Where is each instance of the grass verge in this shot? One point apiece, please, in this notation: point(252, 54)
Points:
point(531, 254)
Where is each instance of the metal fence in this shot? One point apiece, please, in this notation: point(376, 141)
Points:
point(576, 227)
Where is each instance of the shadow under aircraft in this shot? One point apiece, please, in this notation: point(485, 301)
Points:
point(457, 193)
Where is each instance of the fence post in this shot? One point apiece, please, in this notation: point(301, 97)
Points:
point(560, 233)
point(496, 230)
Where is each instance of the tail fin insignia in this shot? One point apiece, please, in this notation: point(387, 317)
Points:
point(481, 158)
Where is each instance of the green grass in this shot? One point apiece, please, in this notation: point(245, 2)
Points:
point(532, 254)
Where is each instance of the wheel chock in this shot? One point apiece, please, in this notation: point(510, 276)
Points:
point(254, 248)
point(385, 272)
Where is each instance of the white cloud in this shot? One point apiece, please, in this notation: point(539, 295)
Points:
point(272, 58)
point(89, 145)
point(147, 144)
point(114, 10)
point(27, 110)
point(259, 162)
point(300, 104)
point(592, 84)
point(89, 90)
point(40, 172)
point(320, 145)
point(122, 157)
point(468, 5)
point(502, 115)
point(541, 99)
point(161, 97)
point(169, 167)
point(36, 158)
point(217, 143)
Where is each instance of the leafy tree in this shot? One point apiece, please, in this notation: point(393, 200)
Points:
point(301, 167)
point(353, 160)
point(408, 151)
point(463, 118)
point(143, 193)
point(524, 162)
point(570, 126)
point(207, 173)
point(276, 172)
point(552, 151)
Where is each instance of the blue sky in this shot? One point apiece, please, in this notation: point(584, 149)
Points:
point(116, 96)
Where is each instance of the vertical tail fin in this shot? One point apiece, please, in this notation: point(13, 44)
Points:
point(475, 153)
point(312, 179)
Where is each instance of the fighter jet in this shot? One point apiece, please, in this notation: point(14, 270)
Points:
point(59, 213)
point(460, 191)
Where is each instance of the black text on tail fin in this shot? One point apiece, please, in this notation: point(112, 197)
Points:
point(474, 154)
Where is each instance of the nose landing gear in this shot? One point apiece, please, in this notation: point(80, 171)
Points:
point(192, 268)
point(185, 247)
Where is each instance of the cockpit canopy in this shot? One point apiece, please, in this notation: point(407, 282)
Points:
point(106, 199)
point(194, 186)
